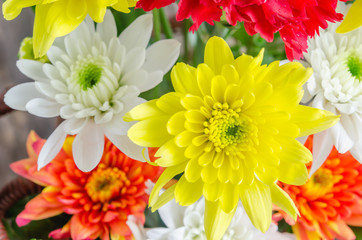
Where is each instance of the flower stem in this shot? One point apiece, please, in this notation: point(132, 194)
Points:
point(156, 24)
point(165, 23)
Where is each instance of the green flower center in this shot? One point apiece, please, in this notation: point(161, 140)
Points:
point(354, 65)
point(88, 75)
point(227, 128)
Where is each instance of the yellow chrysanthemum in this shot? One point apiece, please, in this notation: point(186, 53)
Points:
point(229, 129)
point(353, 18)
point(56, 18)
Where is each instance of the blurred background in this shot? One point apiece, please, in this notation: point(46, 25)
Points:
point(15, 126)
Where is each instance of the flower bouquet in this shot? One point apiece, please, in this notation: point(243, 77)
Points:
point(228, 119)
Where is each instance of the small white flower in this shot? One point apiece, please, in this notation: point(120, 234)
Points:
point(336, 85)
point(187, 223)
point(94, 78)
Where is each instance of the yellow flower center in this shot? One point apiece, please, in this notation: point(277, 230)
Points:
point(106, 183)
point(228, 129)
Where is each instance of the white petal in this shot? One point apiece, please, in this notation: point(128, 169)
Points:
point(54, 54)
point(88, 147)
point(67, 111)
point(43, 107)
point(138, 33)
point(322, 146)
point(303, 139)
point(52, 72)
point(118, 126)
point(356, 151)
point(136, 227)
point(104, 117)
point(71, 48)
point(46, 89)
point(346, 108)
point(162, 55)
point(75, 125)
point(177, 234)
point(132, 150)
point(52, 146)
point(107, 29)
point(136, 78)
point(90, 23)
point(154, 78)
point(32, 69)
point(131, 104)
point(83, 32)
point(160, 234)
point(17, 97)
point(134, 59)
point(341, 140)
point(172, 214)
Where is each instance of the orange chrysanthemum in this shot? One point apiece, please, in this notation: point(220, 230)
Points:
point(100, 201)
point(330, 200)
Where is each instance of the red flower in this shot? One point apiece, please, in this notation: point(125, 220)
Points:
point(295, 20)
point(331, 199)
point(100, 201)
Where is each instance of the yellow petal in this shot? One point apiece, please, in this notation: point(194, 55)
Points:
point(218, 87)
point(12, 8)
point(186, 193)
point(216, 220)
point(164, 198)
point(183, 79)
point(192, 102)
point(150, 132)
point(353, 18)
point(204, 76)
point(312, 120)
point(170, 102)
point(282, 200)
point(209, 174)
point(213, 191)
point(170, 154)
point(97, 8)
point(55, 20)
point(293, 151)
point(193, 170)
point(230, 74)
point(257, 203)
point(143, 111)
point(185, 138)
point(176, 123)
point(230, 197)
point(164, 178)
point(292, 172)
point(124, 5)
point(217, 54)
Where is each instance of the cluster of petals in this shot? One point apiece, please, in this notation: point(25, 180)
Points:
point(294, 20)
point(100, 201)
point(92, 80)
point(57, 18)
point(330, 200)
point(230, 130)
point(336, 86)
point(187, 223)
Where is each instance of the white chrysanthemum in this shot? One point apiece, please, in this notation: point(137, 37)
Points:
point(94, 78)
point(187, 223)
point(336, 85)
